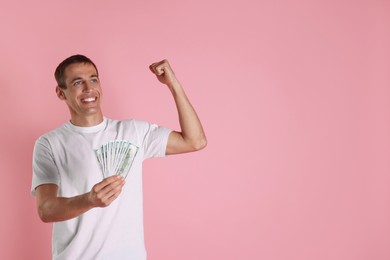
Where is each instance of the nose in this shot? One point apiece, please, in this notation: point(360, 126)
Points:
point(87, 86)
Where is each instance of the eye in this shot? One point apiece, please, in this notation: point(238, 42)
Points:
point(77, 82)
point(94, 80)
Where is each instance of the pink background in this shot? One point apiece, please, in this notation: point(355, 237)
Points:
point(293, 95)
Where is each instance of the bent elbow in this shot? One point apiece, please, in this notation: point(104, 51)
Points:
point(201, 144)
point(44, 215)
point(44, 218)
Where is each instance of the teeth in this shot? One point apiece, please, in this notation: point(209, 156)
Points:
point(88, 99)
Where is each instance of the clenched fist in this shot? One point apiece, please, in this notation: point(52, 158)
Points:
point(164, 73)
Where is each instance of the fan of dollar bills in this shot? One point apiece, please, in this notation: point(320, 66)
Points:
point(116, 157)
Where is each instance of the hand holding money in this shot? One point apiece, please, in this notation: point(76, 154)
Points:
point(106, 191)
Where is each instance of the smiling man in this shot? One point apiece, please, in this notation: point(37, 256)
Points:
point(98, 215)
point(83, 94)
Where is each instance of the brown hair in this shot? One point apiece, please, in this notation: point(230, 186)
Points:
point(59, 74)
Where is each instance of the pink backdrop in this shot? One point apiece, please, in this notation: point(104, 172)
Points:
point(293, 95)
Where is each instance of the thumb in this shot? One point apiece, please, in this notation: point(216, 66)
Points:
point(157, 69)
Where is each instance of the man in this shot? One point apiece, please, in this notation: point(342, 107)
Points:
point(95, 216)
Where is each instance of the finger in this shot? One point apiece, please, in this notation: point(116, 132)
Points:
point(107, 181)
point(152, 68)
point(112, 186)
point(112, 195)
point(103, 195)
point(158, 68)
point(155, 65)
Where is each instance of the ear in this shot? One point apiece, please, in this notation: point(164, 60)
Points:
point(60, 93)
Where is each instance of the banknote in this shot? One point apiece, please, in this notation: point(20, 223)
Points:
point(116, 157)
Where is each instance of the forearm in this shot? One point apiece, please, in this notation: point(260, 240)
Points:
point(191, 136)
point(52, 208)
point(191, 128)
point(61, 209)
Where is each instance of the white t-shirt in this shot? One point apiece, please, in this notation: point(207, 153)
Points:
point(66, 157)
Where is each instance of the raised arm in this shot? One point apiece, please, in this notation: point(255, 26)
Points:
point(191, 137)
point(52, 208)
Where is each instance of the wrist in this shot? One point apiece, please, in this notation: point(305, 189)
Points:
point(88, 200)
point(175, 87)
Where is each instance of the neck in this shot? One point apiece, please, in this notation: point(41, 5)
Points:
point(86, 121)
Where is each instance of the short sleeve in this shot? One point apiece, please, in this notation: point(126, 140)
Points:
point(44, 168)
point(155, 141)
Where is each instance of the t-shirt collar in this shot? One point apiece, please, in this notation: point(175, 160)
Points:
point(87, 129)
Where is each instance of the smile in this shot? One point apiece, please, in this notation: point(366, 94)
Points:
point(87, 100)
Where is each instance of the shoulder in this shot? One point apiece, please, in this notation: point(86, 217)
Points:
point(46, 138)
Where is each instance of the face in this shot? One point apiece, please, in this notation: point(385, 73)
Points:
point(83, 93)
